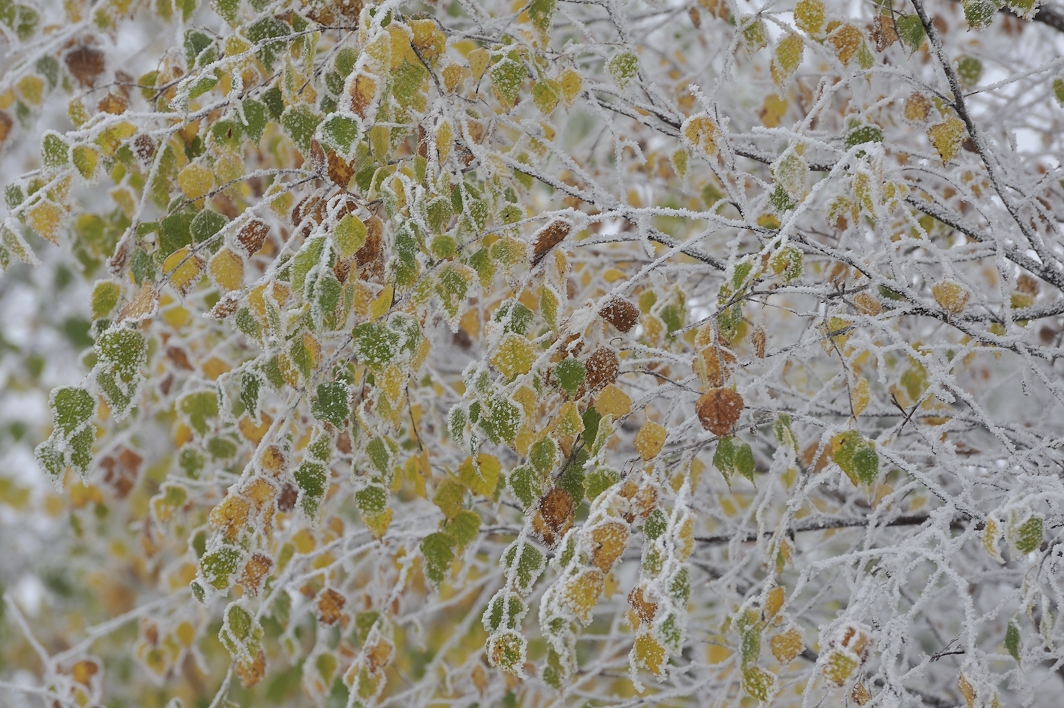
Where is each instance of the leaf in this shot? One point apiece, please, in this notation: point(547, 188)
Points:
point(183, 269)
point(464, 528)
point(449, 497)
point(759, 683)
point(195, 181)
point(570, 374)
point(198, 408)
point(438, 551)
point(980, 13)
point(846, 40)
point(55, 152)
point(946, 137)
point(855, 456)
point(541, 12)
point(299, 122)
point(951, 296)
point(786, 58)
point(331, 403)
point(623, 67)
point(312, 480)
point(105, 296)
point(507, 78)
point(608, 541)
point(1026, 537)
point(1012, 639)
point(85, 159)
point(546, 94)
point(809, 16)
point(507, 650)
point(527, 562)
point(481, 478)
point(515, 355)
point(787, 645)
point(700, 134)
point(581, 592)
point(547, 238)
point(648, 653)
point(719, 410)
point(911, 31)
point(226, 268)
point(71, 407)
point(838, 667)
point(649, 440)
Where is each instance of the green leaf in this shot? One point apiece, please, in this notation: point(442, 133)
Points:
point(980, 13)
point(724, 457)
point(55, 152)
point(331, 404)
point(407, 82)
point(526, 484)
point(175, 232)
point(528, 562)
point(299, 122)
point(500, 420)
point(218, 566)
point(507, 78)
point(105, 295)
point(570, 374)
point(438, 551)
point(1027, 537)
point(312, 479)
point(255, 118)
point(1012, 639)
point(379, 455)
point(371, 500)
point(449, 497)
point(546, 94)
point(463, 528)
point(855, 456)
point(227, 10)
point(198, 408)
point(543, 455)
point(744, 461)
point(864, 134)
point(623, 67)
point(72, 407)
point(655, 525)
point(541, 12)
point(599, 480)
point(339, 133)
point(206, 224)
point(265, 29)
point(910, 31)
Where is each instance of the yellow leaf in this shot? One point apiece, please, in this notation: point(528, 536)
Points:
point(582, 592)
point(700, 133)
point(809, 16)
point(951, 296)
point(613, 401)
point(647, 653)
point(515, 355)
point(195, 181)
point(787, 645)
point(774, 603)
point(482, 478)
point(608, 541)
point(44, 217)
point(568, 421)
point(478, 62)
point(183, 268)
point(846, 40)
point(31, 87)
point(786, 58)
point(946, 137)
point(859, 396)
point(649, 440)
point(571, 85)
point(227, 270)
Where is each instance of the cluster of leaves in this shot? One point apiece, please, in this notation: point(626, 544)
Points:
point(688, 328)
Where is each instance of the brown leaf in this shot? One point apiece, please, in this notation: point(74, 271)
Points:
point(5, 126)
point(883, 32)
point(113, 104)
point(549, 237)
point(620, 313)
point(144, 147)
point(226, 306)
point(759, 339)
point(717, 364)
point(370, 258)
point(330, 606)
point(251, 675)
point(179, 357)
point(719, 410)
point(340, 172)
point(256, 570)
point(121, 471)
point(286, 501)
point(602, 367)
point(554, 516)
point(85, 65)
point(143, 305)
point(644, 608)
point(317, 157)
point(253, 235)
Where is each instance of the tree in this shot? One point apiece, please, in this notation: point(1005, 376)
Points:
point(561, 352)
